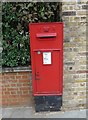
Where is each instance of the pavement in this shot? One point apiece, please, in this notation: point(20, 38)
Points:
point(29, 112)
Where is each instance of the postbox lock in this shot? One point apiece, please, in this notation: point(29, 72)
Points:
point(38, 52)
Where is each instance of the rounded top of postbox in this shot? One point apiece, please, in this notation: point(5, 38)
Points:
point(45, 23)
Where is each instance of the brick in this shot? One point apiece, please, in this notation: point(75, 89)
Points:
point(14, 96)
point(6, 85)
point(70, 63)
point(14, 103)
point(70, 2)
point(18, 77)
point(26, 84)
point(71, 19)
point(4, 88)
point(69, 13)
point(27, 96)
point(13, 92)
point(85, 6)
point(6, 77)
point(10, 74)
point(83, 84)
point(82, 71)
point(13, 85)
point(83, 18)
point(19, 92)
point(25, 77)
point(77, 7)
point(71, 7)
point(25, 92)
point(24, 88)
point(66, 19)
point(9, 81)
point(14, 100)
point(19, 84)
point(12, 89)
point(81, 12)
point(5, 103)
point(12, 77)
point(77, 19)
point(64, 7)
point(7, 92)
point(5, 96)
point(23, 80)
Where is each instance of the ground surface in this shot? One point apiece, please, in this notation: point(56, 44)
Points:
point(29, 112)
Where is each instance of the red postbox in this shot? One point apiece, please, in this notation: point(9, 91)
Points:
point(46, 44)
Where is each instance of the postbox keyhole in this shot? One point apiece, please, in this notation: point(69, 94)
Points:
point(37, 76)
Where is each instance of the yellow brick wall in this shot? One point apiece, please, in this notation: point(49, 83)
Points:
point(74, 16)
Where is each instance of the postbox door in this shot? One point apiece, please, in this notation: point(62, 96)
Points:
point(47, 71)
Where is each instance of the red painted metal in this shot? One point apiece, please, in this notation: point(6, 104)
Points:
point(44, 35)
point(46, 43)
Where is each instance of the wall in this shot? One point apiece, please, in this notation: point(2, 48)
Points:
point(16, 87)
point(74, 18)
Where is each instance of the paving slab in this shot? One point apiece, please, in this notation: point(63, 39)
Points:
point(29, 112)
point(0, 113)
point(68, 114)
point(7, 112)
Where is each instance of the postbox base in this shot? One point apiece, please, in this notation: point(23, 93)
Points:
point(48, 103)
